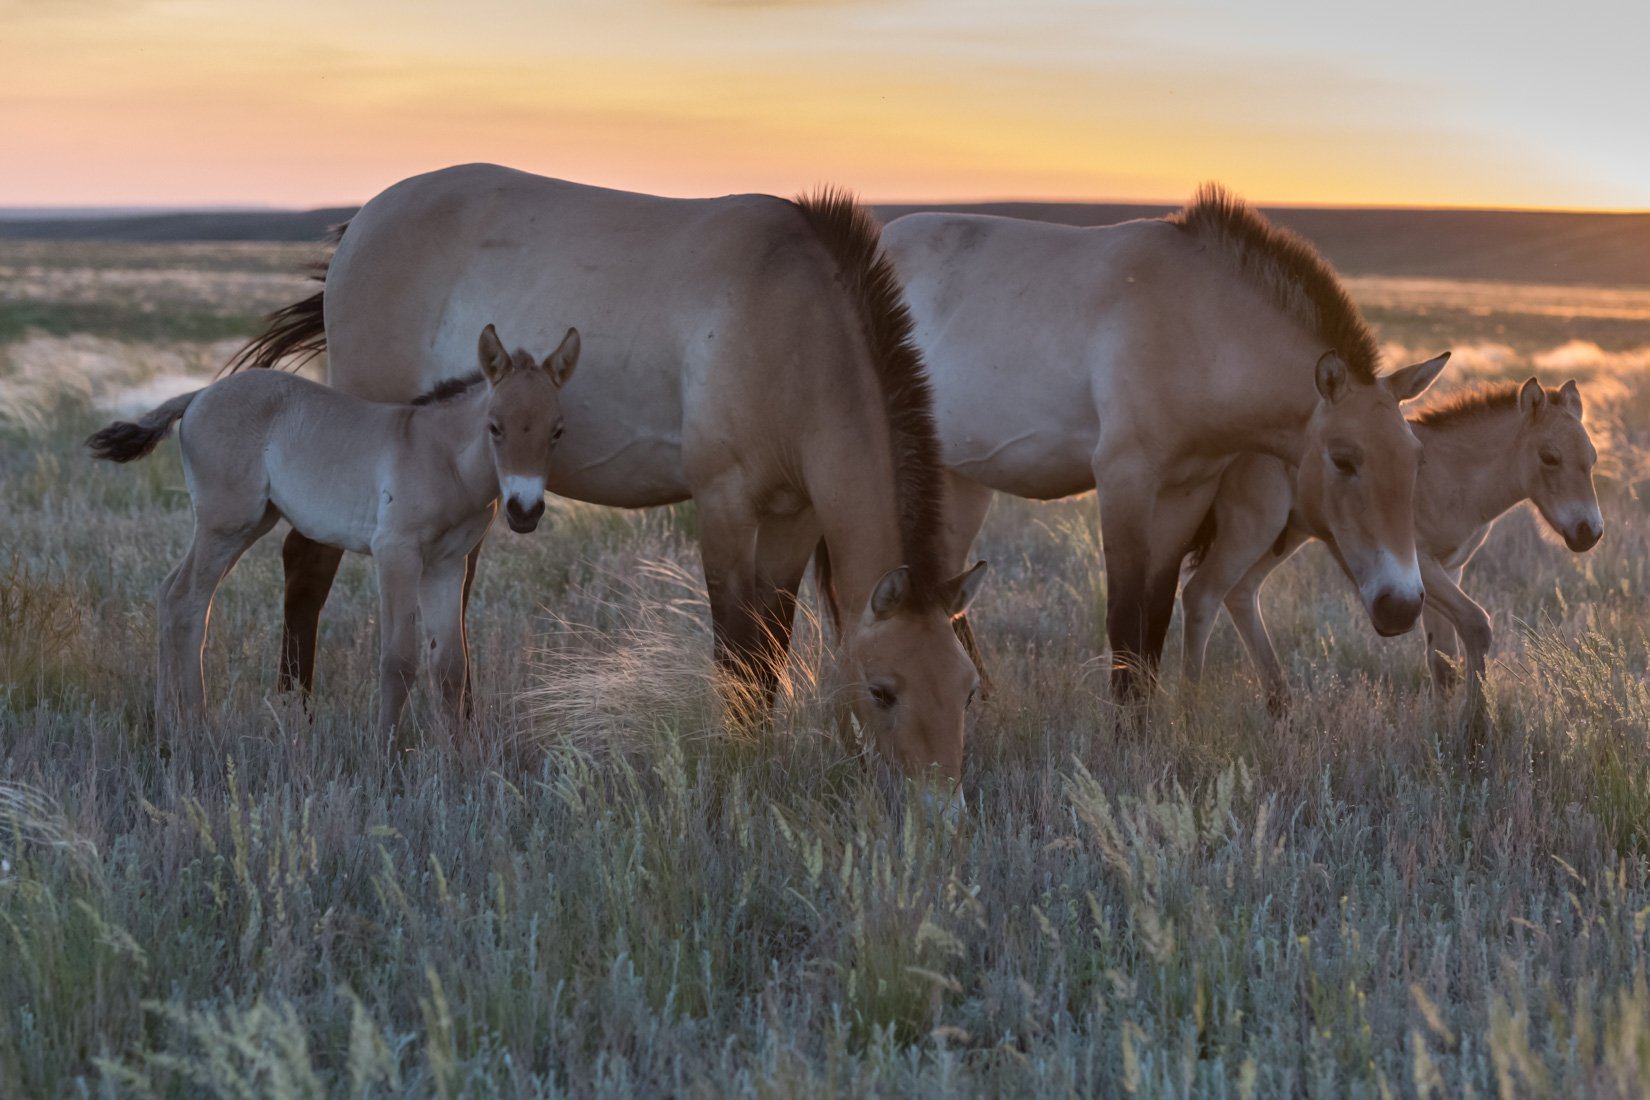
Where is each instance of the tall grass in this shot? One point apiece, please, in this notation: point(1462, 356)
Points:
point(599, 890)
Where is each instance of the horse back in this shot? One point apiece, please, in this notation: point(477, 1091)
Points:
point(687, 309)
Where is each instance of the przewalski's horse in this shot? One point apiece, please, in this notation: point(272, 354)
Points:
point(1139, 359)
point(747, 352)
point(415, 486)
point(1485, 451)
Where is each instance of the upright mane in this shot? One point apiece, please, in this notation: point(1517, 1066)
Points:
point(1468, 404)
point(854, 240)
point(1287, 268)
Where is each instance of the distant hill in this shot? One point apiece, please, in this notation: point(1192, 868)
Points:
point(1504, 245)
point(209, 225)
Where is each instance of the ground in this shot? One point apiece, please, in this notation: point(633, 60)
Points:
point(595, 891)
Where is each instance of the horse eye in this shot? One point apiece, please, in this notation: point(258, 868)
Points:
point(1548, 458)
point(555, 435)
point(1344, 466)
point(882, 695)
point(494, 430)
point(971, 693)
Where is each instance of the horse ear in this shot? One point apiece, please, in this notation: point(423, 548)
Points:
point(1412, 381)
point(1330, 376)
point(1531, 396)
point(1570, 397)
point(495, 361)
point(960, 590)
point(892, 592)
point(561, 362)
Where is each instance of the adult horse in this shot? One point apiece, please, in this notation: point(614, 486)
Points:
point(1139, 359)
point(748, 352)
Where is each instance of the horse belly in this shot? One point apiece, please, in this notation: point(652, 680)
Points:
point(329, 496)
point(1032, 435)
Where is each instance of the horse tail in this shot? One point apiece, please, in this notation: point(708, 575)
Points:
point(125, 441)
point(299, 329)
point(854, 240)
point(1202, 540)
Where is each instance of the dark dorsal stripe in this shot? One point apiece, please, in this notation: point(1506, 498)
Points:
point(854, 240)
point(447, 389)
point(1469, 403)
point(1287, 268)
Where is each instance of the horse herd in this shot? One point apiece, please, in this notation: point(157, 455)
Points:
point(830, 392)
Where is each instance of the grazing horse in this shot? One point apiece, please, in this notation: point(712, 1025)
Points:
point(1484, 452)
point(416, 486)
point(747, 352)
point(1139, 359)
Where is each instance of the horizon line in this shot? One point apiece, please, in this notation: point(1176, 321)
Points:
point(92, 211)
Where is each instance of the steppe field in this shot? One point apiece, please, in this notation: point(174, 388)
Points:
point(597, 891)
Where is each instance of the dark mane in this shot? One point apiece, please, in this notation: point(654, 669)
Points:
point(1287, 268)
point(853, 238)
point(1469, 403)
point(447, 389)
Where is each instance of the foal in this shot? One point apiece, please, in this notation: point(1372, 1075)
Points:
point(1483, 452)
point(416, 486)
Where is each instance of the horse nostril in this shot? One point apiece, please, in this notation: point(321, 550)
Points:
point(523, 518)
point(1394, 614)
point(1585, 536)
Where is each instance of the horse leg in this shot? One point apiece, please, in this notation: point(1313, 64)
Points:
point(400, 571)
point(310, 568)
point(966, 503)
point(1442, 651)
point(441, 607)
point(783, 546)
point(1251, 509)
point(1145, 534)
point(1471, 623)
point(185, 607)
point(1243, 604)
point(472, 562)
point(728, 529)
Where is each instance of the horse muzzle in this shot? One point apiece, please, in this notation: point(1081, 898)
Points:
point(1584, 536)
point(523, 520)
point(1395, 613)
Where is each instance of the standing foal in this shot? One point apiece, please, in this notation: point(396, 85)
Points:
point(416, 486)
point(1483, 452)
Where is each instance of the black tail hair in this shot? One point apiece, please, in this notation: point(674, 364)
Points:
point(125, 441)
point(1201, 540)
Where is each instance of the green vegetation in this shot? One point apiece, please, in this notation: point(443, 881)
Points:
point(596, 891)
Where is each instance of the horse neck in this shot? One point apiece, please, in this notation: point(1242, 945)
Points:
point(1262, 404)
point(456, 429)
point(1470, 462)
point(850, 476)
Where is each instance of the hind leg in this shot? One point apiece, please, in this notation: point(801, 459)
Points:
point(185, 607)
point(310, 568)
point(966, 503)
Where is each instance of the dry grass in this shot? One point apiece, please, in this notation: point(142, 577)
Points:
point(596, 891)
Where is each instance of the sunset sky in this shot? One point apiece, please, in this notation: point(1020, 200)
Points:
point(309, 103)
